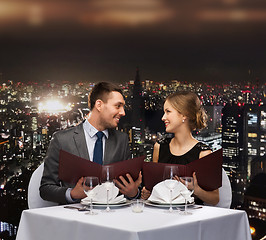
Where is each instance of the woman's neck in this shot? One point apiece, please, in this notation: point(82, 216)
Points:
point(182, 143)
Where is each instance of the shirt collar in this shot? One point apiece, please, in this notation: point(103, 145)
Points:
point(91, 130)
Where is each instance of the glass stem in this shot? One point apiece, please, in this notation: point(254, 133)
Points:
point(108, 208)
point(91, 206)
point(185, 205)
point(171, 208)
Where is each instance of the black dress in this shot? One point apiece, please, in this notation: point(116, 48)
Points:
point(165, 156)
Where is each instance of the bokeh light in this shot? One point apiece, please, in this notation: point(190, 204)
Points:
point(53, 106)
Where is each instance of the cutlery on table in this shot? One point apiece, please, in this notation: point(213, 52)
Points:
point(85, 208)
point(191, 207)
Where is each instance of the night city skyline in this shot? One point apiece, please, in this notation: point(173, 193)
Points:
point(29, 118)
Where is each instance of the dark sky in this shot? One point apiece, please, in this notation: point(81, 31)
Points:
point(100, 40)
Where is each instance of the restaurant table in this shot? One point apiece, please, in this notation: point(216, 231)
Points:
point(153, 223)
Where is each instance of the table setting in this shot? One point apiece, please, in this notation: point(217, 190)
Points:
point(169, 213)
point(169, 193)
point(105, 197)
point(99, 197)
point(133, 220)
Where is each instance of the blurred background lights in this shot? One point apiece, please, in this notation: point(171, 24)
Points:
point(252, 230)
point(54, 106)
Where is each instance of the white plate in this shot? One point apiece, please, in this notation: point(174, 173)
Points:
point(102, 205)
point(166, 205)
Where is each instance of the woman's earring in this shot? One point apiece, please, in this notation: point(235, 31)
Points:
point(183, 120)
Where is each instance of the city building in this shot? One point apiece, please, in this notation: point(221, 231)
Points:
point(214, 140)
point(214, 114)
point(255, 197)
point(138, 116)
point(7, 230)
point(232, 134)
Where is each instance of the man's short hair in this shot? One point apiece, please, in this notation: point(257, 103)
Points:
point(101, 91)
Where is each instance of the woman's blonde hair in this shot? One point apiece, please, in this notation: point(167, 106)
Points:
point(188, 104)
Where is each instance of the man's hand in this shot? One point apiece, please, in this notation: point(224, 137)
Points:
point(77, 192)
point(128, 188)
point(145, 194)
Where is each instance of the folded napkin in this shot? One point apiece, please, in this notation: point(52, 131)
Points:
point(99, 194)
point(161, 194)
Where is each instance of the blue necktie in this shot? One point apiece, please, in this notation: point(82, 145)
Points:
point(98, 149)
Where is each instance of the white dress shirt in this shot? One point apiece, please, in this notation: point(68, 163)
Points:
point(91, 138)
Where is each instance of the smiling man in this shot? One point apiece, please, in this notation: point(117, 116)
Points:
point(96, 140)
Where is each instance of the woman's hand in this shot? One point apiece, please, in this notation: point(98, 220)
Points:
point(190, 186)
point(209, 197)
point(197, 188)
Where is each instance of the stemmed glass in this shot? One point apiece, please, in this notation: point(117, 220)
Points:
point(107, 180)
point(88, 184)
point(169, 177)
point(189, 183)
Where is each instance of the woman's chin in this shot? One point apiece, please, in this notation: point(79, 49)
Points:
point(168, 130)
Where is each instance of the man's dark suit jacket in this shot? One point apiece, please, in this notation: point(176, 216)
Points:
point(73, 140)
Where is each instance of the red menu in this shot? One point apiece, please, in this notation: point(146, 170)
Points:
point(208, 171)
point(72, 167)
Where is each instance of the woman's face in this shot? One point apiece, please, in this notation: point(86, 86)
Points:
point(172, 118)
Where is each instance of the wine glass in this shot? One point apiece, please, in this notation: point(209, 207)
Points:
point(88, 184)
point(189, 183)
point(170, 172)
point(107, 180)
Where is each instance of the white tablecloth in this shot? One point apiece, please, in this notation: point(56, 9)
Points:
point(206, 223)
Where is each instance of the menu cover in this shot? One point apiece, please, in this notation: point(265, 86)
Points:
point(208, 171)
point(72, 167)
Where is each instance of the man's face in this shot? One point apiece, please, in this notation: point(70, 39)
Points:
point(112, 110)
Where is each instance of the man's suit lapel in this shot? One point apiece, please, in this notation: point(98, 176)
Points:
point(80, 141)
point(109, 147)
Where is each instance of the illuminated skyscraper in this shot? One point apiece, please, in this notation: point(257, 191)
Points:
point(136, 133)
point(262, 130)
point(244, 134)
point(255, 197)
point(138, 119)
point(214, 118)
point(232, 134)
